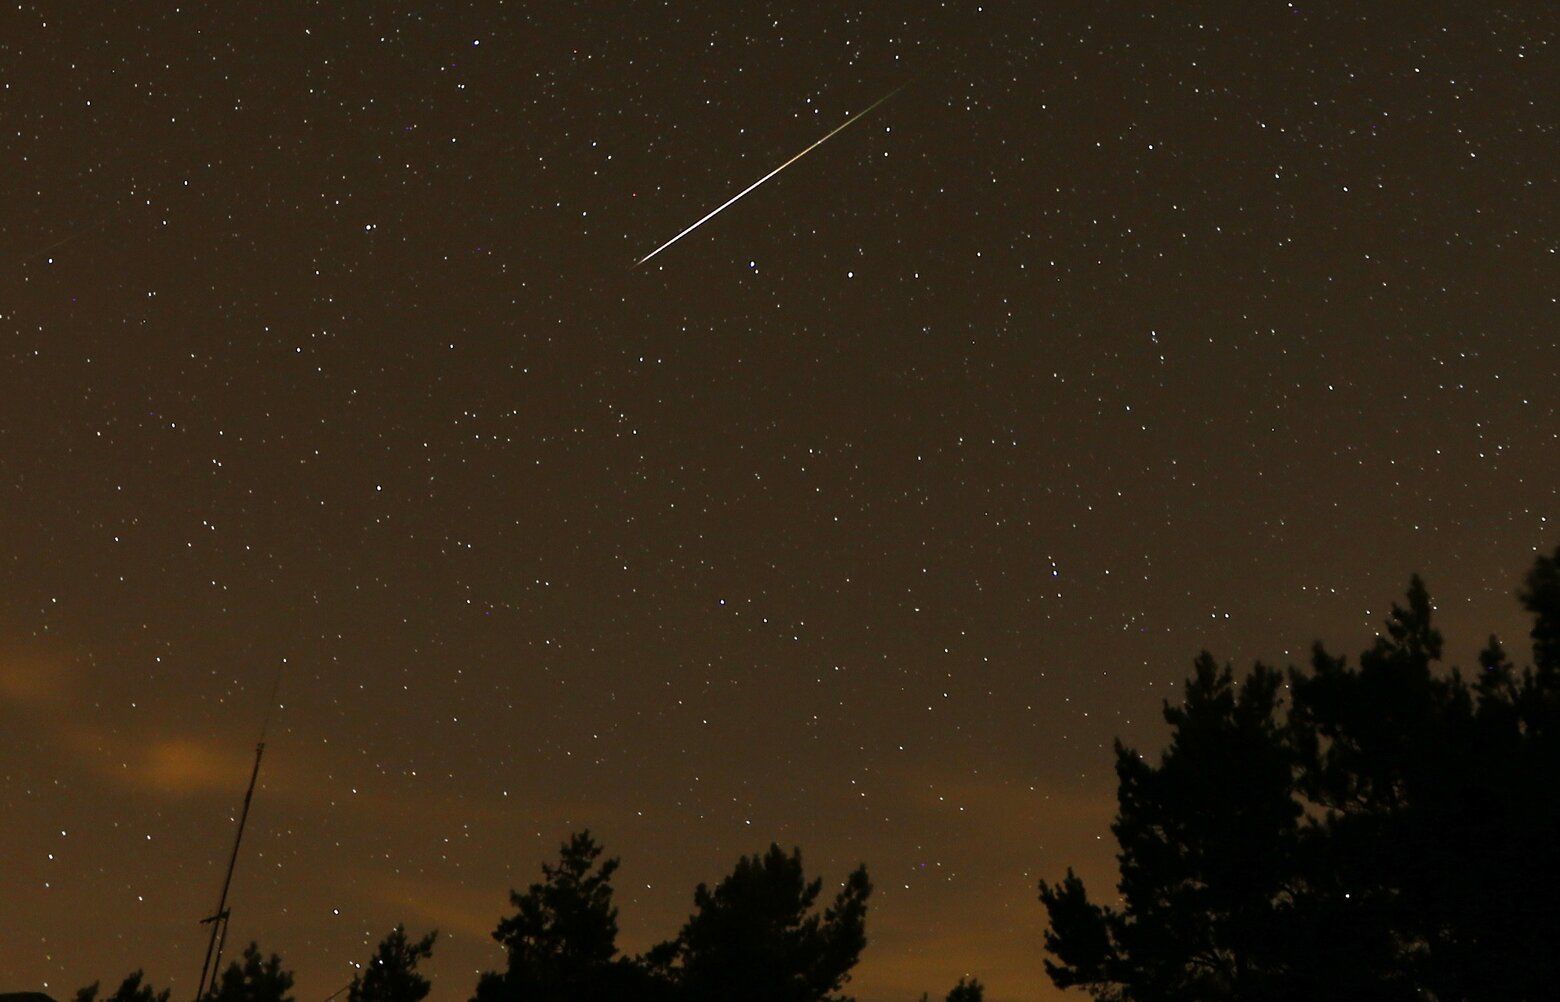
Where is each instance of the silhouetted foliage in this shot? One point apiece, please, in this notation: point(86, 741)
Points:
point(755, 936)
point(967, 991)
point(391, 974)
point(1390, 837)
point(1205, 838)
point(131, 989)
point(562, 939)
point(1438, 813)
point(255, 979)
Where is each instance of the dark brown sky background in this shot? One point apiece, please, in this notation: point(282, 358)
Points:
point(862, 519)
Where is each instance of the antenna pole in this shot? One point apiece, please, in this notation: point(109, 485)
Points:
point(219, 919)
point(335, 994)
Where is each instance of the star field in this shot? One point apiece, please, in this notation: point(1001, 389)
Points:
point(863, 518)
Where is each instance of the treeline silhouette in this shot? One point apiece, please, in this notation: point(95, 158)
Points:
point(758, 935)
point(1387, 830)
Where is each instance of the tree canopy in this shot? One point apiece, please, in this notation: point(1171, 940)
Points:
point(561, 942)
point(1384, 830)
point(967, 991)
point(131, 989)
point(755, 935)
point(254, 979)
point(391, 974)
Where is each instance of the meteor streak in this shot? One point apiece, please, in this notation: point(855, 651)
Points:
point(726, 204)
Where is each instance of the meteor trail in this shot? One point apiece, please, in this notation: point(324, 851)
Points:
point(724, 205)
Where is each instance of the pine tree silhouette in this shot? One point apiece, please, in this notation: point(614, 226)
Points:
point(754, 936)
point(1390, 837)
point(255, 979)
point(562, 940)
point(131, 989)
point(391, 974)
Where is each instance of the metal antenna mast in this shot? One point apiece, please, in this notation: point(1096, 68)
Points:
point(218, 920)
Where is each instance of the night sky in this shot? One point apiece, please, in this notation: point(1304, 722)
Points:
point(862, 518)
